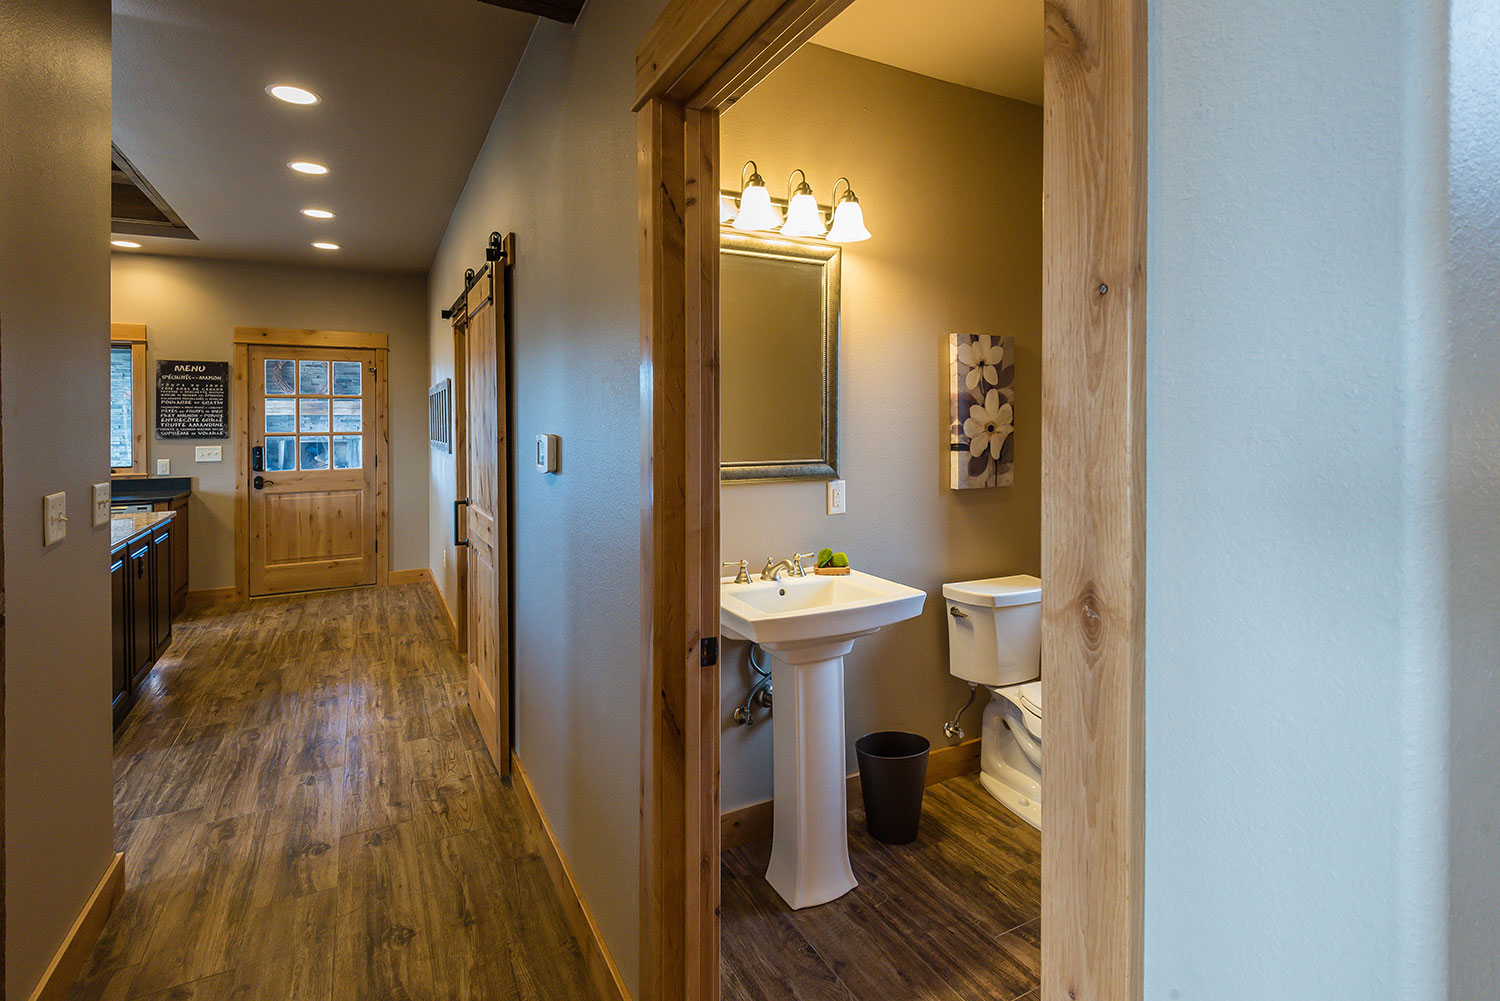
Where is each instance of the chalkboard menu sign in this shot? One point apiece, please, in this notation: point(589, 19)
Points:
point(192, 399)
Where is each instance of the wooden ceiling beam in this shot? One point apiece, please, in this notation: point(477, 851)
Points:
point(566, 11)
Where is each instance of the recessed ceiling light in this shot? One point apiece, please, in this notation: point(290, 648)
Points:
point(317, 213)
point(292, 95)
point(125, 244)
point(322, 245)
point(307, 167)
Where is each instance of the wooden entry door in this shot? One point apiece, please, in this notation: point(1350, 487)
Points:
point(312, 468)
point(485, 516)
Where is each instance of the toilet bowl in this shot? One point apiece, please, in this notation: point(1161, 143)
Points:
point(995, 640)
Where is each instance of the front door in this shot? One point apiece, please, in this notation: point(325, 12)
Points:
point(484, 440)
point(312, 475)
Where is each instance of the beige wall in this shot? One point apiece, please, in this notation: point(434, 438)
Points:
point(190, 308)
point(54, 314)
point(950, 182)
point(558, 169)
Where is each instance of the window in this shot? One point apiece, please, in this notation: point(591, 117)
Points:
point(127, 398)
point(314, 414)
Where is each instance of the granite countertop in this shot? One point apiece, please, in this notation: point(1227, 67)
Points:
point(137, 489)
point(124, 527)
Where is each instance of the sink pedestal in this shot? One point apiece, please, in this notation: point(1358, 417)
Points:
point(810, 840)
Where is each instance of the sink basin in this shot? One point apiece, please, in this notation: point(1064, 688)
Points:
point(814, 609)
point(806, 625)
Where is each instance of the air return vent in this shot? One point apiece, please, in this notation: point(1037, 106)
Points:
point(137, 208)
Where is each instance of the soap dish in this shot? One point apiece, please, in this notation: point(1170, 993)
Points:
point(831, 571)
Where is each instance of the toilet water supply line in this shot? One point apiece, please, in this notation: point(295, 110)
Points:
point(951, 729)
point(759, 692)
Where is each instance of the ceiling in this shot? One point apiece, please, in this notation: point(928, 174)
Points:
point(408, 93)
point(990, 45)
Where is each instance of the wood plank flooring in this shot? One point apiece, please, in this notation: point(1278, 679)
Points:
point(307, 811)
point(955, 916)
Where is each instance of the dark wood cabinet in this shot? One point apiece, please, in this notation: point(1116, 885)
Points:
point(179, 530)
point(143, 587)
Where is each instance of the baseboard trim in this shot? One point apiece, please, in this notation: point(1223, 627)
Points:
point(79, 942)
point(213, 597)
point(755, 822)
point(397, 577)
point(596, 957)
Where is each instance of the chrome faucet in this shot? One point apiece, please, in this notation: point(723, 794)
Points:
point(773, 569)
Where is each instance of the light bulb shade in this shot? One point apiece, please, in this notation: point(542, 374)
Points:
point(803, 217)
point(756, 210)
point(727, 209)
point(848, 223)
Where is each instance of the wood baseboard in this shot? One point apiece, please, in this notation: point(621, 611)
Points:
point(213, 597)
point(418, 576)
point(74, 951)
point(754, 822)
point(601, 965)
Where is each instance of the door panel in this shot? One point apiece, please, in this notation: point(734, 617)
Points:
point(486, 616)
point(312, 414)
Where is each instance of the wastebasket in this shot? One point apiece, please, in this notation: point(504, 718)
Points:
point(892, 776)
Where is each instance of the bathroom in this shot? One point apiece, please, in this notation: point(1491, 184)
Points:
point(941, 146)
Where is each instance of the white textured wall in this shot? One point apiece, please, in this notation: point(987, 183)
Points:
point(1473, 461)
point(1296, 677)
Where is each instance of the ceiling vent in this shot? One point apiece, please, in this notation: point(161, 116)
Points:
point(137, 208)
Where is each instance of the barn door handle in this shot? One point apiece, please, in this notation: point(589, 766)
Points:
point(456, 526)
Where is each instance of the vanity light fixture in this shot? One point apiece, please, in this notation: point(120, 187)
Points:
point(756, 210)
point(848, 218)
point(803, 217)
point(125, 244)
point(317, 213)
point(292, 95)
point(727, 209)
point(324, 245)
point(307, 167)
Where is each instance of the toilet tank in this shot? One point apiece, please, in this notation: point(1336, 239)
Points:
point(995, 629)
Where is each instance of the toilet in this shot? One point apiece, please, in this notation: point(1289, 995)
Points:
point(995, 640)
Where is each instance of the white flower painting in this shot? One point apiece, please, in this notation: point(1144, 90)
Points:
point(981, 433)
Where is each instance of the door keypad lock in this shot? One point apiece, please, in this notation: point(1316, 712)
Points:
point(257, 458)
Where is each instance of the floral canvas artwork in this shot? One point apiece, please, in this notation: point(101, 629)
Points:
point(981, 433)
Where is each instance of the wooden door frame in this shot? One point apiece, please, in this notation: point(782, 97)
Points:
point(696, 60)
point(244, 339)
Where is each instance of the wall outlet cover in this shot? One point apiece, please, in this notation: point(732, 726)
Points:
point(835, 496)
point(54, 518)
point(163, 467)
point(208, 453)
point(101, 505)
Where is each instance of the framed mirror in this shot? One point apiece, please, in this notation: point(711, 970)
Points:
point(778, 357)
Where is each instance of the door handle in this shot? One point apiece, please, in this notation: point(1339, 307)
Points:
point(456, 525)
point(261, 483)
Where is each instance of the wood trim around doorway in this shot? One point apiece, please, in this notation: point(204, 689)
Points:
point(244, 337)
point(698, 58)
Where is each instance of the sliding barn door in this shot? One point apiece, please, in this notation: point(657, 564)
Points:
point(485, 443)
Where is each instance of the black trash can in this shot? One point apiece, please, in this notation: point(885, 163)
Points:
point(892, 776)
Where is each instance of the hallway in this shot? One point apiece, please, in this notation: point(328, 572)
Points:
point(307, 811)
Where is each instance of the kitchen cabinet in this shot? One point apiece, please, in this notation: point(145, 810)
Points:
point(142, 587)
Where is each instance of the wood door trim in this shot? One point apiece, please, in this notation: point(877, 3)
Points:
point(127, 333)
point(285, 337)
point(242, 452)
point(702, 54)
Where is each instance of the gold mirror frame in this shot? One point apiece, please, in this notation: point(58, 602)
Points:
point(829, 256)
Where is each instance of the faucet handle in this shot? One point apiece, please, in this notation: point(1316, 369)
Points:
point(743, 577)
point(797, 559)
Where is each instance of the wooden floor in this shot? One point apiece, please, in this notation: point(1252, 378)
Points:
point(956, 916)
point(307, 811)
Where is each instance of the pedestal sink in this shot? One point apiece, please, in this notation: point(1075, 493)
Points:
point(807, 625)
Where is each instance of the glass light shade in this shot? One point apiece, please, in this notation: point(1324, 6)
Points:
point(803, 217)
point(756, 210)
point(848, 223)
point(727, 210)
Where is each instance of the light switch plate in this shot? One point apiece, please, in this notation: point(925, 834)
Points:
point(54, 518)
point(835, 496)
point(101, 505)
point(208, 453)
point(163, 467)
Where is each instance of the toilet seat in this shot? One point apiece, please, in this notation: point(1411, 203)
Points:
point(1026, 697)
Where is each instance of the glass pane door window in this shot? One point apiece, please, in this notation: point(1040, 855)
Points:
point(314, 414)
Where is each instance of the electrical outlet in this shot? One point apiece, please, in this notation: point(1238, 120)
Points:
point(208, 453)
point(54, 518)
point(163, 467)
point(101, 505)
point(835, 496)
